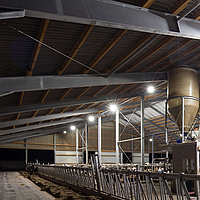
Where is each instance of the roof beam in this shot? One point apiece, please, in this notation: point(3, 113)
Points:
point(103, 13)
point(12, 14)
point(38, 126)
point(46, 117)
point(19, 84)
point(60, 104)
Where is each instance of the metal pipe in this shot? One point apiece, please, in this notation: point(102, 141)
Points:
point(99, 139)
point(129, 139)
point(76, 146)
point(142, 130)
point(117, 136)
point(183, 137)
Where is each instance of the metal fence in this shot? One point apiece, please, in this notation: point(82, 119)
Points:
point(127, 184)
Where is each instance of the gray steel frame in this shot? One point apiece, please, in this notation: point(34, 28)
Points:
point(103, 13)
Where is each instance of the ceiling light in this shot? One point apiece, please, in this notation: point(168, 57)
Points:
point(73, 127)
point(113, 107)
point(150, 89)
point(91, 118)
point(64, 132)
point(150, 140)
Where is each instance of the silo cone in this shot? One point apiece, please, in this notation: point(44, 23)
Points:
point(183, 81)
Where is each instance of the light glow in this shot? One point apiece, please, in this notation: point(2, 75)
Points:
point(73, 127)
point(91, 118)
point(150, 140)
point(113, 107)
point(150, 89)
point(64, 132)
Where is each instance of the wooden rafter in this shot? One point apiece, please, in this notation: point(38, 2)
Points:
point(179, 6)
point(36, 50)
point(87, 30)
point(102, 53)
point(147, 3)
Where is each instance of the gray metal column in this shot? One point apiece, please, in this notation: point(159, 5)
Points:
point(132, 146)
point(76, 146)
point(142, 130)
point(152, 148)
point(117, 136)
point(54, 147)
point(166, 129)
point(26, 152)
point(183, 137)
point(99, 139)
point(86, 143)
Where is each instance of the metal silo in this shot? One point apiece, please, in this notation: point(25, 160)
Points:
point(183, 96)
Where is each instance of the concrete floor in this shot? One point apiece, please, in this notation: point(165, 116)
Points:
point(13, 186)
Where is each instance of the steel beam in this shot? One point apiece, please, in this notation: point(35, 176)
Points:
point(60, 104)
point(20, 84)
point(103, 13)
point(12, 14)
point(46, 117)
point(37, 126)
point(24, 137)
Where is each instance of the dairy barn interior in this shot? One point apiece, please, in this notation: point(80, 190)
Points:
point(101, 97)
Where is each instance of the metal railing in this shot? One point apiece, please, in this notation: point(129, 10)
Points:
point(127, 184)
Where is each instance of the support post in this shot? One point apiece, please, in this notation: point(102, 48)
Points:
point(183, 137)
point(166, 129)
point(142, 131)
point(117, 136)
point(83, 145)
point(152, 148)
point(54, 147)
point(76, 146)
point(99, 139)
point(86, 144)
point(26, 152)
point(132, 146)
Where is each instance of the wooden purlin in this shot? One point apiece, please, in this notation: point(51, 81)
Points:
point(179, 6)
point(36, 50)
point(85, 33)
point(147, 3)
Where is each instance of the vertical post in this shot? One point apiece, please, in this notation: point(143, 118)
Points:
point(117, 136)
point(86, 143)
point(26, 153)
point(142, 130)
point(183, 137)
point(76, 146)
point(132, 146)
point(166, 134)
point(152, 148)
point(99, 139)
point(83, 144)
point(54, 147)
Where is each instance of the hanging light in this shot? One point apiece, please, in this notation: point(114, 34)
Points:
point(64, 132)
point(150, 89)
point(91, 118)
point(113, 107)
point(73, 127)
